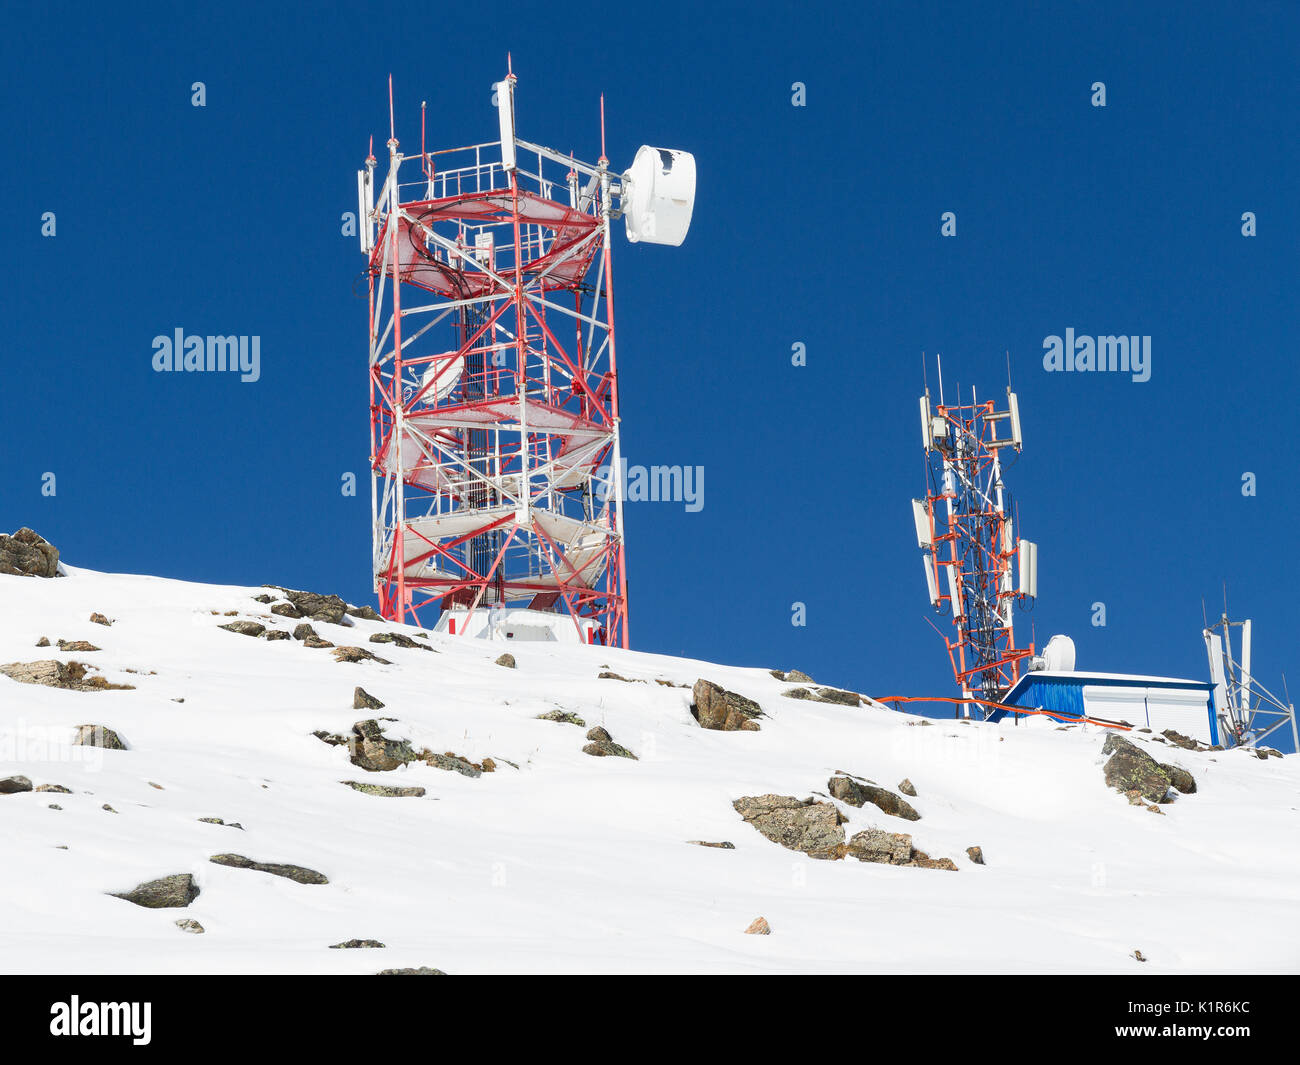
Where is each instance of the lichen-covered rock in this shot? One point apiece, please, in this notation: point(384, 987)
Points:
point(797, 676)
point(168, 892)
point(857, 792)
point(373, 751)
point(276, 634)
point(1180, 778)
point(835, 695)
point(297, 873)
point(385, 790)
point(507, 660)
point(358, 944)
point(1131, 769)
point(562, 716)
point(28, 554)
point(98, 736)
point(797, 693)
point(244, 628)
point(453, 763)
point(286, 610)
point(798, 824)
point(716, 708)
point(881, 847)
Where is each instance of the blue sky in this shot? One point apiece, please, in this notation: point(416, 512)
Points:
point(818, 225)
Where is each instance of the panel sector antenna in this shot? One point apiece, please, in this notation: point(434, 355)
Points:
point(976, 566)
point(493, 379)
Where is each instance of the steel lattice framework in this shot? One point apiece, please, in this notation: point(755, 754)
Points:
point(493, 383)
point(965, 527)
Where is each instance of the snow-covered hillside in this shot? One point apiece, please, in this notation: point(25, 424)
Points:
point(558, 861)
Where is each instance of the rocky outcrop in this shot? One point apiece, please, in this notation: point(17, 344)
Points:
point(365, 613)
point(304, 632)
point(602, 745)
point(385, 790)
point(716, 708)
point(286, 610)
point(327, 608)
point(297, 873)
point(1179, 740)
point(74, 676)
point(28, 554)
point(168, 892)
point(804, 825)
point(1131, 769)
point(98, 736)
point(15, 784)
point(857, 792)
point(274, 635)
point(397, 639)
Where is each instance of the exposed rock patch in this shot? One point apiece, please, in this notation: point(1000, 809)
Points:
point(1180, 778)
point(716, 708)
point(188, 924)
point(602, 745)
point(562, 716)
point(1131, 769)
point(98, 736)
point(373, 751)
point(363, 700)
point(453, 763)
point(857, 792)
point(357, 654)
point(422, 971)
point(218, 821)
point(385, 790)
point(907, 788)
point(397, 639)
point(244, 628)
point(167, 892)
point(297, 873)
point(358, 944)
point(724, 845)
point(77, 645)
point(835, 695)
point(975, 854)
point(15, 784)
point(28, 554)
point(797, 824)
point(73, 676)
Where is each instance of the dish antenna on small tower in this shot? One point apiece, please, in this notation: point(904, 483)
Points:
point(495, 453)
point(1248, 712)
point(976, 567)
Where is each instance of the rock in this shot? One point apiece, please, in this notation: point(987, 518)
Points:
point(507, 660)
point(716, 708)
point(489, 766)
point(562, 716)
point(327, 608)
point(924, 861)
point(975, 854)
point(99, 619)
point(608, 749)
point(1139, 956)
point(372, 750)
point(1179, 740)
point(363, 700)
point(779, 674)
point(286, 610)
point(796, 824)
point(303, 632)
point(57, 788)
point(724, 845)
point(276, 634)
point(1131, 769)
point(218, 821)
point(607, 675)
point(384, 790)
point(98, 736)
point(167, 892)
point(357, 654)
point(77, 645)
point(13, 785)
point(316, 642)
point(1180, 778)
point(44, 641)
point(358, 944)
point(881, 847)
point(423, 971)
point(297, 873)
point(365, 613)
point(398, 640)
point(453, 763)
point(188, 924)
point(834, 695)
point(244, 628)
point(759, 927)
point(797, 693)
point(599, 735)
point(74, 676)
point(27, 554)
point(857, 792)
point(907, 788)
point(797, 676)
point(108, 808)
point(263, 599)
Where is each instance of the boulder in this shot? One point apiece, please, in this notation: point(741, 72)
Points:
point(13, 785)
point(907, 788)
point(797, 824)
point(797, 693)
point(716, 708)
point(507, 660)
point(599, 735)
point(327, 608)
point(316, 643)
point(99, 619)
point(1180, 778)
point(975, 854)
point(881, 847)
point(98, 736)
point(608, 749)
point(27, 554)
point(453, 763)
point(168, 892)
point(276, 634)
point(244, 628)
point(1131, 769)
point(77, 645)
point(297, 873)
point(834, 695)
point(1179, 740)
point(397, 639)
point(303, 631)
point(373, 751)
point(363, 700)
point(796, 676)
point(56, 788)
point(286, 610)
point(357, 654)
point(857, 792)
point(562, 716)
point(365, 613)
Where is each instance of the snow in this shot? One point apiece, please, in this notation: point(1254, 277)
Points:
point(572, 863)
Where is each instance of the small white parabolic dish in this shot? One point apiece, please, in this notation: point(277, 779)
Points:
point(659, 196)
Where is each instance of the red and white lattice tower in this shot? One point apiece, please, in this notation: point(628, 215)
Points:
point(976, 567)
point(497, 508)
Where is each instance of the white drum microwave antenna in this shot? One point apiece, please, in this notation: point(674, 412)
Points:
point(659, 196)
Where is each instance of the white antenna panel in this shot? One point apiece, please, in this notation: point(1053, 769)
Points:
point(1015, 417)
point(365, 205)
point(958, 610)
point(505, 91)
point(1214, 651)
point(1029, 569)
point(921, 516)
point(927, 426)
point(929, 578)
point(659, 196)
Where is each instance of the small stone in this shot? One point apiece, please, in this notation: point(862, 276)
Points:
point(507, 660)
point(277, 634)
point(55, 806)
point(108, 808)
point(975, 854)
point(218, 821)
point(1139, 956)
point(562, 716)
point(164, 893)
point(384, 790)
point(286, 610)
point(99, 619)
point(599, 735)
point(50, 787)
point(188, 924)
point(303, 631)
point(244, 628)
point(907, 788)
point(358, 944)
point(98, 736)
point(759, 927)
point(722, 845)
point(363, 700)
point(423, 971)
point(44, 641)
point(263, 599)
